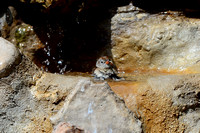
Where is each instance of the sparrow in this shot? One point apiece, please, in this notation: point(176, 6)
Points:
point(105, 69)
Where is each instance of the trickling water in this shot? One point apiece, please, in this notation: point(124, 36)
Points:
point(110, 130)
point(90, 110)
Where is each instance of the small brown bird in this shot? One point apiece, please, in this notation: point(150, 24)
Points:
point(105, 69)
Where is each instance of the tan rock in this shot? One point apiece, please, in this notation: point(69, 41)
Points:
point(164, 103)
point(140, 40)
point(54, 87)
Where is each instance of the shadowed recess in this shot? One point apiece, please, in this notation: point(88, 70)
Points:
point(76, 35)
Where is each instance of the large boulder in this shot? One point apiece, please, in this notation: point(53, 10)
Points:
point(95, 108)
point(166, 41)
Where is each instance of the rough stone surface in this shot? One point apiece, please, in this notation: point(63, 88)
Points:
point(7, 17)
point(54, 87)
point(27, 103)
point(16, 103)
point(192, 121)
point(9, 57)
point(184, 94)
point(2, 21)
point(164, 103)
point(163, 41)
point(95, 108)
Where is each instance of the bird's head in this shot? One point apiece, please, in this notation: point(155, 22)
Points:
point(104, 62)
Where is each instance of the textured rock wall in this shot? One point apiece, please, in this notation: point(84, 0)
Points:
point(164, 103)
point(162, 41)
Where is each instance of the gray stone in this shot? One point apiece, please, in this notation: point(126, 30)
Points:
point(9, 57)
point(2, 21)
point(17, 105)
point(7, 17)
point(192, 121)
point(95, 108)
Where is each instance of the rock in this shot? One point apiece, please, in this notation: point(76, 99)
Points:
point(25, 38)
point(9, 57)
point(54, 87)
point(18, 108)
point(95, 108)
point(184, 94)
point(7, 17)
point(46, 3)
point(67, 128)
point(2, 19)
point(192, 121)
point(161, 41)
point(164, 103)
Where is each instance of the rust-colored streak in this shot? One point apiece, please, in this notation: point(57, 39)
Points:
point(153, 108)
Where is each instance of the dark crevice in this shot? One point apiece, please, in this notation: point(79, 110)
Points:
point(198, 95)
point(75, 34)
point(73, 40)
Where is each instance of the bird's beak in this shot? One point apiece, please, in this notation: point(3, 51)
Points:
point(107, 62)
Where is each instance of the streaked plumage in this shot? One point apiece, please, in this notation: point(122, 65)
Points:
point(105, 69)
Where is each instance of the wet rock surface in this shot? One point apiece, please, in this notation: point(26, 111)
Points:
point(9, 57)
point(97, 110)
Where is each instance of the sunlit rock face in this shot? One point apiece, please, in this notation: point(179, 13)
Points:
point(95, 108)
point(163, 41)
point(164, 103)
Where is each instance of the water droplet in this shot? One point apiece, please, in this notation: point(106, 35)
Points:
point(47, 62)
point(82, 89)
point(60, 62)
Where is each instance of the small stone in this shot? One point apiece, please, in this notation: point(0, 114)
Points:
point(9, 57)
point(63, 127)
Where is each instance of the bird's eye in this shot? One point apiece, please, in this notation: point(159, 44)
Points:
point(102, 62)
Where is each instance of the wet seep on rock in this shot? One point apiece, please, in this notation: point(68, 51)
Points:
point(98, 109)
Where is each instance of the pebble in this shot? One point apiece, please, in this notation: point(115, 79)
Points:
point(9, 57)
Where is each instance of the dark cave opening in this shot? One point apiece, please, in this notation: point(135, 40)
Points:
point(76, 35)
point(73, 39)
